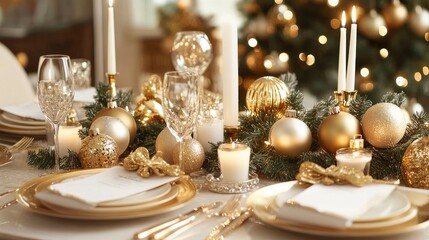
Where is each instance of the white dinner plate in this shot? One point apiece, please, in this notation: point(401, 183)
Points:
point(21, 120)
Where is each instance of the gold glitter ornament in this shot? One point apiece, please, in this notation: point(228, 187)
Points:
point(395, 14)
point(383, 125)
point(290, 136)
point(98, 151)
point(193, 155)
point(114, 128)
point(415, 164)
point(419, 20)
point(113, 110)
point(267, 94)
point(165, 143)
point(370, 24)
point(337, 129)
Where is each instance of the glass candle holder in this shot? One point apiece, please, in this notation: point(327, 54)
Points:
point(355, 156)
point(234, 162)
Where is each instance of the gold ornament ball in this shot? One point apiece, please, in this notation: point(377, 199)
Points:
point(193, 155)
point(415, 164)
point(290, 136)
point(370, 24)
point(267, 94)
point(165, 143)
point(383, 125)
point(395, 14)
point(255, 61)
point(98, 151)
point(114, 128)
point(124, 116)
point(419, 20)
point(336, 130)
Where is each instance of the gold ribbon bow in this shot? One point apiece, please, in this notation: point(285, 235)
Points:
point(311, 173)
point(145, 166)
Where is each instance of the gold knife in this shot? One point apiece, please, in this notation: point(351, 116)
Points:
point(151, 230)
point(220, 231)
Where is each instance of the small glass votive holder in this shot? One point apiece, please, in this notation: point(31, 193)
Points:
point(357, 158)
point(234, 161)
point(81, 73)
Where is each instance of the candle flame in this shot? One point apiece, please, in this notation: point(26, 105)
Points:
point(343, 19)
point(110, 3)
point(354, 14)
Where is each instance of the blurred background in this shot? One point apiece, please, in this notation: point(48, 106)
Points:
point(275, 36)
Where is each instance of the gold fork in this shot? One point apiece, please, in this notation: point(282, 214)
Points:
point(6, 152)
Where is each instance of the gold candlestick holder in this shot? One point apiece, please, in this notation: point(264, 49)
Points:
point(230, 133)
point(344, 98)
point(111, 79)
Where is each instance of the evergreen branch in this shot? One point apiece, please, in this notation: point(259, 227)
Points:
point(290, 80)
point(396, 98)
point(359, 106)
point(295, 101)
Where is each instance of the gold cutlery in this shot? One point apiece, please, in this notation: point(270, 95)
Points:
point(221, 230)
point(6, 152)
point(173, 231)
point(144, 234)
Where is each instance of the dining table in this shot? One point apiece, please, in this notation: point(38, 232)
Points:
point(17, 222)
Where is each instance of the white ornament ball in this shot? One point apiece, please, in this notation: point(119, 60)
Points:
point(383, 125)
point(115, 128)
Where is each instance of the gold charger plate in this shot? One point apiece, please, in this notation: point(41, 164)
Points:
point(263, 199)
point(25, 196)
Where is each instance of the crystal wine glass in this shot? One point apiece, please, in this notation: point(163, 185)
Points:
point(180, 94)
point(55, 91)
point(191, 51)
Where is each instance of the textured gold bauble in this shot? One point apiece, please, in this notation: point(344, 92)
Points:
point(255, 61)
point(383, 125)
point(114, 128)
point(267, 94)
point(370, 24)
point(419, 20)
point(395, 14)
point(193, 155)
point(281, 15)
point(290, 137)
point(336, 130)
point(123, 115)
point(165, 143)
point(415, 164)
point(98, 151)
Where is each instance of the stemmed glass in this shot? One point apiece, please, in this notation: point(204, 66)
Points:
point(55, 91)
point(191, 51)
point(180, 94)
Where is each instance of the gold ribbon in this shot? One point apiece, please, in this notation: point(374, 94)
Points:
point(145, 166)
point(311, 173)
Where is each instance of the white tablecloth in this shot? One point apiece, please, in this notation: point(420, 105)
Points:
point(18, 223)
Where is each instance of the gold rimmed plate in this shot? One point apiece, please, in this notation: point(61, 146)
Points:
point(25, 196)
point(263, 202)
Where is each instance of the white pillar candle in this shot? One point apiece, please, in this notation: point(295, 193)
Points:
point(358, 159)
point(234, 162)
point(210, 131)
point(68, 139)
point(230, 74)
point(111, 50)
point(351, 65)
point(342, 55)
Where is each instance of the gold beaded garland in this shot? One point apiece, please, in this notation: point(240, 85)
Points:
point(337, 129)
point(415, 164)
point(193, 155)
point(383, 125)
point(98, 150)
point(267, 94)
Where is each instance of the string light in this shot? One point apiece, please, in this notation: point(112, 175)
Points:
point(417, 76)
point(284, 57)
point(252, 42)
point(384, 53)
point(323, 39)
point(425, 70)
point(401, 81)
point(310, 59)
point(333, 3)
point(302, 57)
point(335, 23)
point(364, 72)
point(382, 30)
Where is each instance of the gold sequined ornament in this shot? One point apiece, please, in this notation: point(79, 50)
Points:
point(419, 20)
point(165, 143)
point(113, 110)
point(114, 128)
point(370, 24)
point(383, 125)
point(415, 164)
point(98, 151)
point(268, 95)
point(337, 129)
point(290, 136)
point(193, 155)
point(395, 14)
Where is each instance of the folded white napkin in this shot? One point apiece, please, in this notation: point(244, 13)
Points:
point(85, 95)
point(26, 110)
point(330, 206)
point(112, 184)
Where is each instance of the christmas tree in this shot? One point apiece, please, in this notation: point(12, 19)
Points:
point(302, 36)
